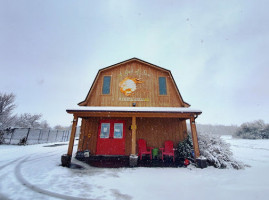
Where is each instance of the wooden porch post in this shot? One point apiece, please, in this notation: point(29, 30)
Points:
point(194, 138)
point(72, 137)
point(133, 135)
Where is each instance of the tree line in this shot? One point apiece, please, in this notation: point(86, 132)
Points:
point(253, 130)
point(257, 129)
point(24, 120)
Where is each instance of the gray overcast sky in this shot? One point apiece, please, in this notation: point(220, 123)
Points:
point(217, 51)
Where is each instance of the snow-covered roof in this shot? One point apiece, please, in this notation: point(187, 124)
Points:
point(134, 109)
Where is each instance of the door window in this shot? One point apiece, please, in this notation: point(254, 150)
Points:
point(118, 129)
point(105, 130)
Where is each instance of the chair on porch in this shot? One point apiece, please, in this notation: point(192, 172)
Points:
point(143, 149)
point(168, 149)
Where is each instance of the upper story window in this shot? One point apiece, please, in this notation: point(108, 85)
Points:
point(162, 86)
point(106, 85)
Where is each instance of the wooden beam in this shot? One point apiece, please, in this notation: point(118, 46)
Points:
point(194, 138)
point(133, 135)
point(131, 114)
point(72, 137)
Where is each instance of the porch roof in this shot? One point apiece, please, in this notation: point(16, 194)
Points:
point(104, 111)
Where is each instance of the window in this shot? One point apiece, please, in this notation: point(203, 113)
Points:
point(162, 86)
point(106, 85)
point(105, 130)
point(118, 129)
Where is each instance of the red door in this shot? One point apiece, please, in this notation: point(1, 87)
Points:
point(111, 138)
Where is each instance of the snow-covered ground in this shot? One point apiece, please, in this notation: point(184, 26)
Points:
point(34, 172)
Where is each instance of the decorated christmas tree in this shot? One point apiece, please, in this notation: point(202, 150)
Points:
point(185, 148)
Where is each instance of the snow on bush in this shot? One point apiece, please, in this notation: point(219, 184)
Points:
point(217, 152)
point(253, 130)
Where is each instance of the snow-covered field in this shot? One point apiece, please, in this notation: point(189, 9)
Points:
point(34, 172)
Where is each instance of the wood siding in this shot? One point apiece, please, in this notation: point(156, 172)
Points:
point(157, 130)
point(146, 94)
point(154, 130)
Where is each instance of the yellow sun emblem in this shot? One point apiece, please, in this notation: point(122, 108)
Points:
point(128, 85)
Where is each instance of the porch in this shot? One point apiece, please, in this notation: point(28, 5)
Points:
point(135, 116)
point(124, 161)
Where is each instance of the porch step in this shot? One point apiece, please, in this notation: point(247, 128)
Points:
point(108, 161)
point(123, 161)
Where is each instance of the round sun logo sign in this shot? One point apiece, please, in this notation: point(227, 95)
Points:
point(128, 85)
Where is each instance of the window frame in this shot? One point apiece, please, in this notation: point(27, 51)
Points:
point(115, 124)
point(108, 130)
point(159, 88)
point(109, 85)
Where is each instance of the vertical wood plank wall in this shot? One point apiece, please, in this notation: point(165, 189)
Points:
point(157, 130)
point(148, 89)
point(154, 130)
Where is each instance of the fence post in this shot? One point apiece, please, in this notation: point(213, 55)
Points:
point(12, 133)
point(63, 135)
point(56, 136)
point(48, 136)
point(39, 136)
point(68, 135)
point(27, 135)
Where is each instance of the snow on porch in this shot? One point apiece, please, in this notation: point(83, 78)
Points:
point(135, 109)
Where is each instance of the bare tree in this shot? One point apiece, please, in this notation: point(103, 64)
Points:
point(44, 125)
point(6, 107)
point(60, 127)
point(28, 120)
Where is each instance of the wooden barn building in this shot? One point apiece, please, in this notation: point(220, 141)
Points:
point(128, 101)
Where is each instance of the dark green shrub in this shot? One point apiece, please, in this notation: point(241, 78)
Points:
point(185, 148)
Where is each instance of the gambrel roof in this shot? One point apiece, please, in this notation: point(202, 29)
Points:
point(83, 103)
